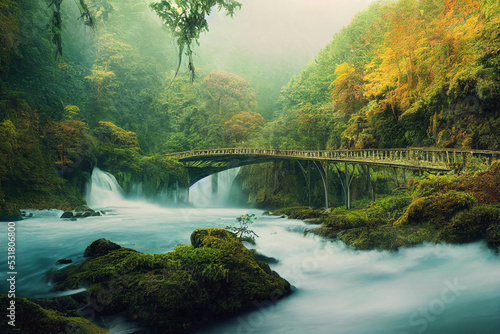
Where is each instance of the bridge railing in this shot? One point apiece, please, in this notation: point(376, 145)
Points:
point(414, 156)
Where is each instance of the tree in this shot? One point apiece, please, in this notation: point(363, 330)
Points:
point(228, 93)
point(243, 231)
point(347, 89)
point(242, 125)
point(187, 19)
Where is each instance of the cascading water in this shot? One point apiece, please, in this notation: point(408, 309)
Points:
point(104, 191)
point(432, 289)
point(213, 191)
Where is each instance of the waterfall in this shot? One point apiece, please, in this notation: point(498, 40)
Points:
point(104, 191)
point(213, 191)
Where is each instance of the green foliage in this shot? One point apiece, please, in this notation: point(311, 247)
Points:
point(213, 278)
point(403, 73)
point(242, 231)
point(119, 153)
point(437, 209)
point(471, 225)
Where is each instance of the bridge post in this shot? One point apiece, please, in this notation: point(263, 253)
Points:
point(347, 187)
point(369, 186)
point(324, 178)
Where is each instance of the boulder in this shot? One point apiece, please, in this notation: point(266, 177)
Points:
point(100, 247)
point(211, 279)
point(67, 214)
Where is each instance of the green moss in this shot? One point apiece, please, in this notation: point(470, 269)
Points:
point(437, 209)
point(213, 278)
point(471, 225)
point(33, 319)
point(386, 237)
point(300, 212)
point(100, 247)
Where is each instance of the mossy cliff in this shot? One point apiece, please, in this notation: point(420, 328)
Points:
point(120, 154)
point(31, 318)
point(452, 209)
point(53, 172)
point(213, 278)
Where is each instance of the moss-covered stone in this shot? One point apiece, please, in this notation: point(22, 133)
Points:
point(213, 278)
point(100, 247)
point(300, 212)
point(437, 209)
point(31, 318)
point(471, 225)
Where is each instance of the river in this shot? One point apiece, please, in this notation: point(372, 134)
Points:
point(426, 289)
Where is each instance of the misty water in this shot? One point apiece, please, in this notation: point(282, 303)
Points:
point(426, 289)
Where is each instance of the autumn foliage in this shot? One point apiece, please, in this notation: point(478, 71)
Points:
point(413, 73)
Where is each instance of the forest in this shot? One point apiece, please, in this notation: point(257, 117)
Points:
point(106, 83)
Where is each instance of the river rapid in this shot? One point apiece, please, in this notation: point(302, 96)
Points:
point(426, 289)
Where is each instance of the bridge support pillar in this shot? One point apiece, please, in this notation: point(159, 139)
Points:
point(347, 188)
point(369, 185)
point(323, 172)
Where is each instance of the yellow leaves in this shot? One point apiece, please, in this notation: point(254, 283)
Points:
point(342, 72)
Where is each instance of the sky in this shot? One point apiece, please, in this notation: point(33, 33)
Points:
point(278, 29)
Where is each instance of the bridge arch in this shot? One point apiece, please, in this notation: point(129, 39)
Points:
point(202, 163)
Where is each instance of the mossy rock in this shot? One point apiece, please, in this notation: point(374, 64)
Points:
point(214, 278)
point(100, 247)
point(437, 209)
point(301, 212)
point(33, 319)
point(471, 225)
point(387, 237)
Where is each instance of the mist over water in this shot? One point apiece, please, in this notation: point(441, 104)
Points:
point(426, 289)
point(213, 191)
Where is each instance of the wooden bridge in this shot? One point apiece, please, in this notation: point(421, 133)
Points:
point(201, 163)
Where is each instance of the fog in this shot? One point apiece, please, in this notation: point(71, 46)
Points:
point(267, 41)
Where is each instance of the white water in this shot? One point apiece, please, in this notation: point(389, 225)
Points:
point(103, 191)
point(202, 195)
point(427, 289)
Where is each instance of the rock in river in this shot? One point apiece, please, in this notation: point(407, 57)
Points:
point(214, 278)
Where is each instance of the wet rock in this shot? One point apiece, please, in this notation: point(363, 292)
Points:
point(64, 261)
point(67, 215)
point(100, 247)
point(264, 258)
point(211, 279)
point(25, 214)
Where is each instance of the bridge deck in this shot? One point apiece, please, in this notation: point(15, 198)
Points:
point(426, 159)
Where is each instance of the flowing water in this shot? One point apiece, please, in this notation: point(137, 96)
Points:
point(427, 289)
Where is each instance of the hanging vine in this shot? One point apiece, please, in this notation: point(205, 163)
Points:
point(56, 24)
point(187, 19)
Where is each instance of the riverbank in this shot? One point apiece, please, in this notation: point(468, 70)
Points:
point(450, 209)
